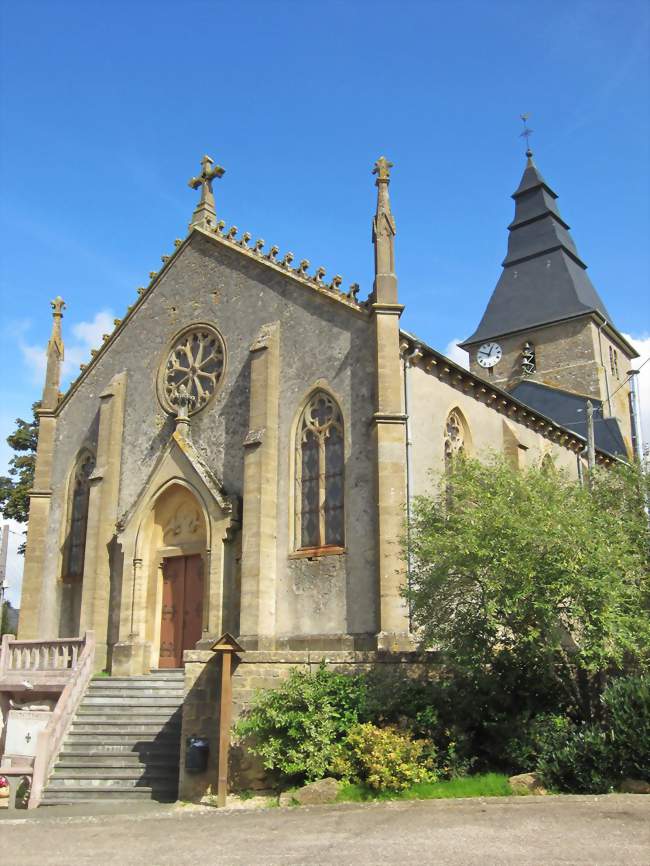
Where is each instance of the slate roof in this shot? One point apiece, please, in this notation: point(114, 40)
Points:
point(544, 280)
point(570, 411)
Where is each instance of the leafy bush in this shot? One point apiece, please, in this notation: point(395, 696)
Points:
point(385, 759)
point(579, 761)
point(593, 758)
point(297, 728)
point(539, 738)
point(627, 707)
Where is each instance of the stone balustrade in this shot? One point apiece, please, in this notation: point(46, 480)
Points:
point(29, 656)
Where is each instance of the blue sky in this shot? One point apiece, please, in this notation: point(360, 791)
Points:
point(107, 108)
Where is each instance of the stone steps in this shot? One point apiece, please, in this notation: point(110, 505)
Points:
point(87, 760)
point(89, 794)
point(124, 742)
point(108, 777)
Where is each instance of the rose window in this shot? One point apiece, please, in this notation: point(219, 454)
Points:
point(196, 361)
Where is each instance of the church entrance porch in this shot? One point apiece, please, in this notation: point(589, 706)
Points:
point(182, 608)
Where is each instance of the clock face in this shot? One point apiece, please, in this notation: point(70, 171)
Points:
point(489, 354)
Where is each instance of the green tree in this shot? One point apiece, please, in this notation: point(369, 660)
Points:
point(14, 488)
point(528, 570)
point(4, 618)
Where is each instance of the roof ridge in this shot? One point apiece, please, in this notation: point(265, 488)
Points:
point(314, 281)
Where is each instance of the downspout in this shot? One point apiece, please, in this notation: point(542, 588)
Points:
point(604, 366)
point(414, 354)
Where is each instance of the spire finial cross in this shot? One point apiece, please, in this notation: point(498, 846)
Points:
point(382, 169)
point(205, 209)
point(527, 132)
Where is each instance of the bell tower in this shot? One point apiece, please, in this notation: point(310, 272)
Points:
point(545, 323)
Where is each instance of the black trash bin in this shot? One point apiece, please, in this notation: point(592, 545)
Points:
point(196, 755)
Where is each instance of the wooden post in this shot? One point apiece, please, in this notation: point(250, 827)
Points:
point(227, 646)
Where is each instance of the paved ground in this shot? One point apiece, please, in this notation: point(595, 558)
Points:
point(526, 831)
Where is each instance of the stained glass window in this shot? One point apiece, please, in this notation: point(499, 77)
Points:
point(79, 517)
point(320, 469)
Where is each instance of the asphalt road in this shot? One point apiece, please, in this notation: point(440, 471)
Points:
point(526, 831)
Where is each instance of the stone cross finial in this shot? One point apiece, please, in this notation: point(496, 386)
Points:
point(205, 211)
point(382, 169)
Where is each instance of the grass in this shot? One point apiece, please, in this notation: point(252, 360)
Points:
point(484, 785)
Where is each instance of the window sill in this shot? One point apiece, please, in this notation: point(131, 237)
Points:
point(317, 552)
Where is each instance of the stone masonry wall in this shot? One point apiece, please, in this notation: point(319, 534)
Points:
point(256, 670)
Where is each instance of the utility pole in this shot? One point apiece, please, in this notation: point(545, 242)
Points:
point(637, 434)
point(591, 442)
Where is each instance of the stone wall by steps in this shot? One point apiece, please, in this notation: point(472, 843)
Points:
point(254, 670)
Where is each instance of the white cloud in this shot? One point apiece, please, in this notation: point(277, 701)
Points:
point(642, 345)
point(456, 354)
point(85, 336)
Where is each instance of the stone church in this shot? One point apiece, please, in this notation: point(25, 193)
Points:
point(209, 472)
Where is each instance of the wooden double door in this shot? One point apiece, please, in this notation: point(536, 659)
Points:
point(182, 608)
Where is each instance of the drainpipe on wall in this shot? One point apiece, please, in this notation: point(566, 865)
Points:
point(413, 355)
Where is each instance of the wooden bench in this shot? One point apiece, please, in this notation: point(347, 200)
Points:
point(14, 776)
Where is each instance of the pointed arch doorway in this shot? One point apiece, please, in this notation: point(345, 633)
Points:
point(178, 550)
point(181, 616)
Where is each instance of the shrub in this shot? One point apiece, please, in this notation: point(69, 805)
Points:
point(385, 759)
point(591, 759)
point(539, 738)
point(578, 760)
point(297, 728)
point(627, 708)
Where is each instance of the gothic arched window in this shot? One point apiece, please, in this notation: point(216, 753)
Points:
point(78, 519)
point(455, 443)
point(320, 463)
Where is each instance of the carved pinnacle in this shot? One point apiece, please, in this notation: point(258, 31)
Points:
point(58, 306)
point(382, 169)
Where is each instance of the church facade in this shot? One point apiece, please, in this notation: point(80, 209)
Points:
point(240, 453)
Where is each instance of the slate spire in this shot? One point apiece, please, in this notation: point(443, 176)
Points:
point(544, 280)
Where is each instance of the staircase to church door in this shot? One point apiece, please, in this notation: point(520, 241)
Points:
point(124, 742)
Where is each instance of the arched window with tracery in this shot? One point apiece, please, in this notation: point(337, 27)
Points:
point(320, 470)
point(455, 438)
point(78, 517)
